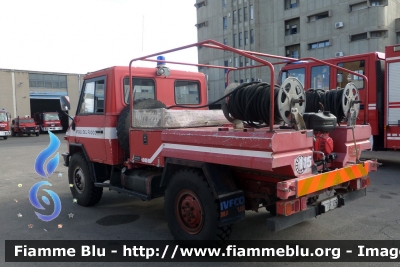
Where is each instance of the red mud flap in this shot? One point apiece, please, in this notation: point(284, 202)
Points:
point(279, 222)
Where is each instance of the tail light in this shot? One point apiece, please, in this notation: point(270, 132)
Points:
point(361, 183)
point(289, 207)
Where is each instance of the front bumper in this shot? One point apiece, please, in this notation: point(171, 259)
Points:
point(51, 128)
point(5, 133)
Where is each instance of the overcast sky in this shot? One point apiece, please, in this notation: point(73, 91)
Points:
point(80, 36)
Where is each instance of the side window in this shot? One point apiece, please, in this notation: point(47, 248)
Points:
point(92, 100)
point(142, 89)
point(344, 78)
point(320, 77)
point(187, 92)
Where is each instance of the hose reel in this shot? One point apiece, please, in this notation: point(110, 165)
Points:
point(249, 102)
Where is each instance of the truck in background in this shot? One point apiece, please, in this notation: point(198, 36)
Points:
point(48, 121)
point(381, 102)
point(26, 125)
point(5, 118)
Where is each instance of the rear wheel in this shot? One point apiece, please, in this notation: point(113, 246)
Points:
point(80, 177)
point(191, 209)
point(37, 134)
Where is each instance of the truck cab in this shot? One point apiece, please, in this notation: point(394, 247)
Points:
point(48, 121)
point(23, 126)
point(4, 124)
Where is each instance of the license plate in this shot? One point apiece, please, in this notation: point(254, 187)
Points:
point(330, 204)
point(32, 130)
point(52, 125)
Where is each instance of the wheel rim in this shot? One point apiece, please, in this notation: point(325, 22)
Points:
point(79, 180)
point(189, 212)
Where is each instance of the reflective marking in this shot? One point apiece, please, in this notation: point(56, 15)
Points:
point(224, 151)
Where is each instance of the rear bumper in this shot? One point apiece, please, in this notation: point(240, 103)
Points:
point(280, 222)
point(5, 133)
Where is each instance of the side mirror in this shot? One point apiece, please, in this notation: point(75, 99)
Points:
point(8, 117)
point(65, 104)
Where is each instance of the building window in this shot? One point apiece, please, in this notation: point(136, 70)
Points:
point(240, 39)
point(293, 51)
point(226, 65)
point(358, 6)
point(240, 15)
point(252, 36)
point(47, 80)
point(358, 37)
point(225, 23)
point(251, 12)
point(246, 37)
point(201, 25)
point(236, 62)
point(234, 40)
point(291, 26)
point(318, 16)
point(378, 2)
point(241, 61)
point(234, 17)
point(378, 34)
point(200, 4)
point(225, 41)
point(319, 44)
point(291, 4)
point(245, 13)
point(223, 3)
point(246, 61)
point(398, 37)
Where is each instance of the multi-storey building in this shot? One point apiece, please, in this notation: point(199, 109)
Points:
point(293, 28)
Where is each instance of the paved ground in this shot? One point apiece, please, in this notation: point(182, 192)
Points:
point(374, 217)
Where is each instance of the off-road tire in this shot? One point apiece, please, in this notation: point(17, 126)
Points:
point(29, 134)
point(5, 137)
point(13, 133)
point(193, 182)
point(88, 195)
point(37, 134)
point(123, 123)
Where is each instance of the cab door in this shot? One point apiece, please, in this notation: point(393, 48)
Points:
point(90, 119)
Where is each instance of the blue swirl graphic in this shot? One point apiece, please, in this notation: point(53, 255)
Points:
point(45, 154)
point(35, 202)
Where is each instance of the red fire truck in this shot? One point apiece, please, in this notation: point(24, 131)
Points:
point(4, 124)
point(381, 102)
point(23, 126)
point(147, 132)
point(47, 121)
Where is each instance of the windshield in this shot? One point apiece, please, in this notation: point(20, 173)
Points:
point(297, 73)
point(3, 116)
point(26, 120)
point(51, 117)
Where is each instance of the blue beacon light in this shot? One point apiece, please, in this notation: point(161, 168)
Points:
point(160, 63)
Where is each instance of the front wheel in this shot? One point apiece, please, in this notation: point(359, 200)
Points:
point(5, 137)
point(37, 134)
point(80, 177)
point(191, 209)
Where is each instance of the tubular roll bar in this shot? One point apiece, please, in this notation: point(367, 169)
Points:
point(248, 54)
